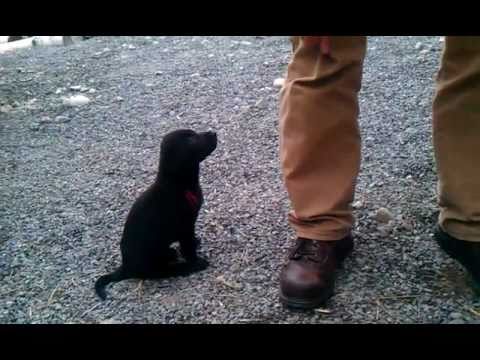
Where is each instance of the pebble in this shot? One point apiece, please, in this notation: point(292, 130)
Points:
point(383, 215)
point(6, 108)
point(76, 100)
point(456, 315)
point(357, 204)
point(419, 46)
point(279, 82)
point(62, 119)
point(109, 322)
point(118, 98)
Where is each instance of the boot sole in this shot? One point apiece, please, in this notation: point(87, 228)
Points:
point(302, 304)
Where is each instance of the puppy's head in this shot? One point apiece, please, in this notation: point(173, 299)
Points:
point(182, 150)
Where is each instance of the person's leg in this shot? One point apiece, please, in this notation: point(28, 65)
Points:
point(320, 157)
point(319, 137)
point(456, 137)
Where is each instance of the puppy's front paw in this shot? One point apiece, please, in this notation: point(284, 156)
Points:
point(198, 242)
point(200, 264)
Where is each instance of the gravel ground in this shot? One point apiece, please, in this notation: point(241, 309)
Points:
point(70, 174)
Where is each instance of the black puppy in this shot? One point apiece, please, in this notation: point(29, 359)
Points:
point(165, 213)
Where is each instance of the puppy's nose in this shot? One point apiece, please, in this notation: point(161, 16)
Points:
point(211, 134)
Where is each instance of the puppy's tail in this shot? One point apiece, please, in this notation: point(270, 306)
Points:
point(104, 280)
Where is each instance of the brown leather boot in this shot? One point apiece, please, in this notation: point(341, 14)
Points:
point(467, 253)
point(308, 279)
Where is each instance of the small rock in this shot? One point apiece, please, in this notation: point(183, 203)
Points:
point(385, 229)
point(456, 315)
point(35, 127)
point(118, 98)
point(155, 42)
point(106, 49)
point(406, 225)
point(279, 82)
point(195, 75)
point(383, 215)
point(230, 284)
point(59, 90)
point(424, 51)
point(62, 119)
point(84, 89)
point(76, 100)
point(211, 55)
point(246, 43)
point(75, 88)
point(6, 108)
point(158, 73)
point(323, 311)
point(109, 321)
point(357, 204)
point(45, 119)
point(92, 91)
point(418, 46)
point(171, 113)
point(131, 47)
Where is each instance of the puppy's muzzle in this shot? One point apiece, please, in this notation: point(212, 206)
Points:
point(211, 140)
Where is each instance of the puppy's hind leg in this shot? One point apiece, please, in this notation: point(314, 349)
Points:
point(185, 268)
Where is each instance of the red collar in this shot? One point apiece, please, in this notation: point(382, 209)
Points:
point(192, 199)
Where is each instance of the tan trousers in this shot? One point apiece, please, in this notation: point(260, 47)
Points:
point(320, 139)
